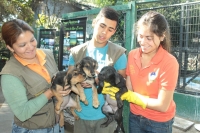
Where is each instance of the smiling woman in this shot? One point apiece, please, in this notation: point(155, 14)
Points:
point(25, 80)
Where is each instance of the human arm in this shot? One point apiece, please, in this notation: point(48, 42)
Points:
point(163, 101)
point(159, 104)
point(70, 67)
point(122, 72)
point(15, 95)
point(48, 93)
point(120, 65)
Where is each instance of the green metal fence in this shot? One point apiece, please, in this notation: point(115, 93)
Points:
point(184, 22)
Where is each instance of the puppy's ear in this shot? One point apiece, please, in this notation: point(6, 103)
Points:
point(68, 77)
point(52, 79)
point(100, 87)
point(117, 79)
point(78, 65)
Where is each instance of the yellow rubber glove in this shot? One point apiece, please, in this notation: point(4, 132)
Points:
point(135, 98)
point(130, 96)
point(108, 89)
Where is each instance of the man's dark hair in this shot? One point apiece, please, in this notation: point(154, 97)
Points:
point(108, 13)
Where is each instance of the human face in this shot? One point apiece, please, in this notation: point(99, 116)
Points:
point(103, 29)
point(149, 42)
point(25, 46)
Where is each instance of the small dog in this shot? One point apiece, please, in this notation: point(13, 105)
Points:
point(112, 108)
point(59, 81)
point(88, 66)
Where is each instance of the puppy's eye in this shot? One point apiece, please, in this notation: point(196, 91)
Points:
point(86, 66)
point(75, 74)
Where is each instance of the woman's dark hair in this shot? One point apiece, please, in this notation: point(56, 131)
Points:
point(108, 13)
point(157, 25)
point(12, 29)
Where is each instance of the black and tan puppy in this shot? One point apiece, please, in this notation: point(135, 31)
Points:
point(112, 108)
point(83, 71)
point(59, 81)
point(88, 66)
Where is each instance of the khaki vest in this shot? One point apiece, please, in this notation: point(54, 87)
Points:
point(113, 53)
point(35, 85)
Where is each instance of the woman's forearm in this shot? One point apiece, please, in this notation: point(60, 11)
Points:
point(15, 95)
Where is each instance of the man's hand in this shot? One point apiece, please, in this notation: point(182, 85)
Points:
point(86, 85)
point(66, 91)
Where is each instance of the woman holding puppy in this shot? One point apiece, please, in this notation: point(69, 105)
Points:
point(25, 80)
point(152, 74)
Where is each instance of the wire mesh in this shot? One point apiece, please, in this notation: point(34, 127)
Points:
point(184, 22)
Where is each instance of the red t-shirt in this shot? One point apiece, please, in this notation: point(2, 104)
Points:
point(162, 71)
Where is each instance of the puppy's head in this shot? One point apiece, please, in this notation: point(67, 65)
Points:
point(88, 65)
point(74, 76)
point(108, 74)
point(57, 81)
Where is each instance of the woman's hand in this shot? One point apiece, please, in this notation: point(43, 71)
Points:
point(48, 93)
point(66, 91)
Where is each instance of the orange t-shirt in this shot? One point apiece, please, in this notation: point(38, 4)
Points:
point(162, 71)
point(38, 68)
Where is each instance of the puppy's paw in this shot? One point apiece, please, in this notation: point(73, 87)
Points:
point(119, 104)
point(61, 123)
point(82, 98)
point(57, 111)
point(76, 117)
point(96, 103)
point(86, 102)
point(79, 109)
point(57, 107)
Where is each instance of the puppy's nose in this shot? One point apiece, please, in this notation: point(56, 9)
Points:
point(93, 74)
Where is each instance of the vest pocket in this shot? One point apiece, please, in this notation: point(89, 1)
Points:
point(44, 118)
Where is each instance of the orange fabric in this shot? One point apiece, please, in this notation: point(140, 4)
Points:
point(38, 68)
point(162, 71)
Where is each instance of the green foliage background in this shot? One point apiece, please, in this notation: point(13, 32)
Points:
point(23, 9)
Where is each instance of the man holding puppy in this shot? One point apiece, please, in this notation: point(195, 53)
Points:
point(106, 54)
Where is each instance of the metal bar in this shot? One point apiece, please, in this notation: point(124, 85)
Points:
point(146, 1)
point(180, 43)
point(168, 6)
point(193, 77)
point(94, 11)
point(134, 16)
point(188, 92)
